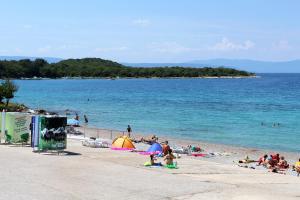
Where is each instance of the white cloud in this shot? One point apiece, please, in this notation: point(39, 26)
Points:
point(227, 45)
point(141, 22)
point(111, 49)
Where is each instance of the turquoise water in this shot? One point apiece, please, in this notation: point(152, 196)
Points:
point(228, 111)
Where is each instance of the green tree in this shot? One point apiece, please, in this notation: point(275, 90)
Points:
point(8, 89)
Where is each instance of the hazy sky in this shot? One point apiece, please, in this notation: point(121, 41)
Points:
point(151, 30)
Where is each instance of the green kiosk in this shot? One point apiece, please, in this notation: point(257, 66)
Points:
point(15, 127)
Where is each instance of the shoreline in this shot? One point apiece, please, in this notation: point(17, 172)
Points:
point(125, 78)
point(236, 152)
point(241, 151)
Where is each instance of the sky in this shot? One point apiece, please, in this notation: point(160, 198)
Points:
point(151, 30)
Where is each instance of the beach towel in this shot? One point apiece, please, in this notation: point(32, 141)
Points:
point(199, 155)
point(121, 149)
point(150, 153)
point(171, 166)
point(148, 164)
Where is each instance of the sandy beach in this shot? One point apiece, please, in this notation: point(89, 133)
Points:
point(101, 173)
point(93, 173)
point(234, 153)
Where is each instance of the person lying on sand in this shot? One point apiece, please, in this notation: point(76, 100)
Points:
point(247, 160)
point(169, 158)
point(151, 140)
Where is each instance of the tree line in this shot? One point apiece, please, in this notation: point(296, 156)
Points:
point(96, 67)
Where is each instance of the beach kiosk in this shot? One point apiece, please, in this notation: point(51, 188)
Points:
point(15, 127)
point(48, 133)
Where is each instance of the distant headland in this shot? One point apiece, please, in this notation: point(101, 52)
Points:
point(100, 68)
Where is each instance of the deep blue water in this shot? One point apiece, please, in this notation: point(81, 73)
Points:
point(228, 111)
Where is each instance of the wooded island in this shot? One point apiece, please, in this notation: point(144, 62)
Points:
point(100, 68)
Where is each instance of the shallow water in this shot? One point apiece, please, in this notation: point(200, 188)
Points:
point(229, 111)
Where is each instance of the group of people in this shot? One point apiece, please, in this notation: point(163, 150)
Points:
point(150, 140)
point(277, 163)
point(167, 151)
point(274, 162)
point(167, 154)
point(84, 116)
point(273, 125)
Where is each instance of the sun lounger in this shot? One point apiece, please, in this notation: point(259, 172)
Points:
point(98, 143)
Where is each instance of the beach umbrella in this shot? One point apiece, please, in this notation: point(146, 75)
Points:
point(155, 148)
point(123, 142)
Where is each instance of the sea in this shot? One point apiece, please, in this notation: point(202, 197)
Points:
point(261, 112)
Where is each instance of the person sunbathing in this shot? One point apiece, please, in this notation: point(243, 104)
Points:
point(247, 160)
point(150, 141)
point(282, 163)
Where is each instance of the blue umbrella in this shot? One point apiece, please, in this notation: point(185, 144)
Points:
point(156, 147)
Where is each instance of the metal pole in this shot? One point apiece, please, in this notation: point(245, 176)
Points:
point(84, 131)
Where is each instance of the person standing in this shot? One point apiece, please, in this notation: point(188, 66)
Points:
point(166, 148)
point(76, 117)
point(85, 119)
point(129, 130)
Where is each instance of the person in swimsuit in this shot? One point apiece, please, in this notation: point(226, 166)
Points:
point(169, 158)
point(129, 130)
point(166, 148)
point(282, 163)
point(76, 117)
point(152, 161)
point(86, 119)
point(263, 160)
